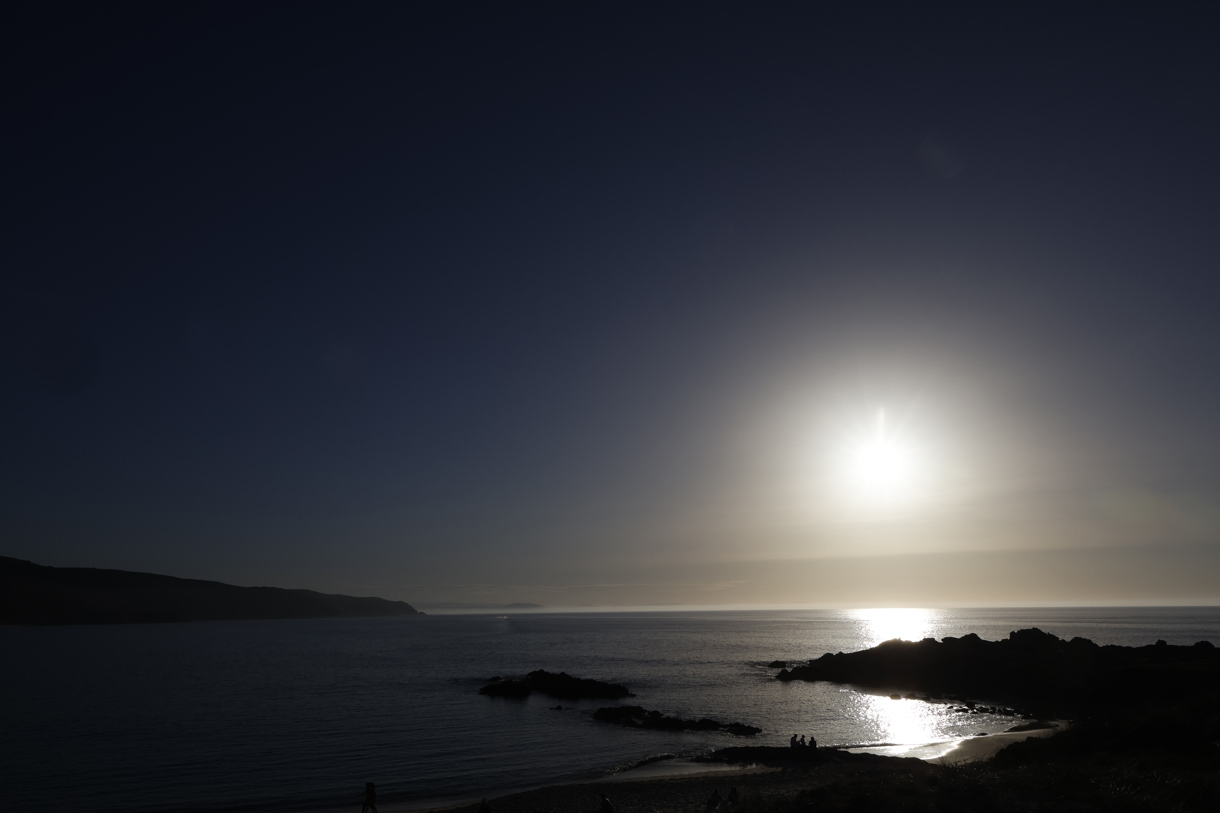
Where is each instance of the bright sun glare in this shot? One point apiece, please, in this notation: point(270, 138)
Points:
point(881, 467)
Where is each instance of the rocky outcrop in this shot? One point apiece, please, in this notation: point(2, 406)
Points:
point(1031, 667)
point(506, 688)
point(639, 717)
point(559, 685)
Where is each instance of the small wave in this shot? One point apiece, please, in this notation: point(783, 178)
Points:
point(642, 762)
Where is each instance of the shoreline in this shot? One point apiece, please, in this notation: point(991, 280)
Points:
point(968, 749)
point(668, 779)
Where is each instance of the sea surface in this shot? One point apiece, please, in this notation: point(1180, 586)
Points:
point(298, 715)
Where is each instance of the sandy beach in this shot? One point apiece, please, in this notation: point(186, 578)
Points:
point(683, 794)
point(972, 749)
point(683, 786)
point(977, 749)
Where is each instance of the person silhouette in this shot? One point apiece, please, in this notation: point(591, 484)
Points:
point(713, 801)
point(792, 742)
point(606, 807)
point(813, 743)
point(370, 798)
point(802, 740)
point(484, 807)
point(733, 799)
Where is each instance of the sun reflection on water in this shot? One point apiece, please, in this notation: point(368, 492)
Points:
point(886, 623)
point(903, 722)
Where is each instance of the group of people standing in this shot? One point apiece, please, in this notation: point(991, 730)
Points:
point(794, 743)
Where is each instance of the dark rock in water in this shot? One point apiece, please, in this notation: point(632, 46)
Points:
point(559, 685)
point(565, 687)
point(1032, 668)
point(778, 665)
point(640, 717)
point(506, 688)
point(557, 708)
point(895, 697)
point(493, 678)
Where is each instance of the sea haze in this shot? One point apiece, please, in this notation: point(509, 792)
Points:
point(298, 715)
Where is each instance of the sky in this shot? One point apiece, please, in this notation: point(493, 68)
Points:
point(615, 305)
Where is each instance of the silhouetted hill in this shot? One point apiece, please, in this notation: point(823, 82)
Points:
point(33, 594)
point(476, 605)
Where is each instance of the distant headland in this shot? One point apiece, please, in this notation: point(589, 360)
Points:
point(36, 595)
point(476, 606)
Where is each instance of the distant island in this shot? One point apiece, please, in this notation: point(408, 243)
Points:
point(36, 595)
point(478, 606)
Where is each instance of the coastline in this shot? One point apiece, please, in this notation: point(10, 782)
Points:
point(971, 749)
point(440, 743)
point(681, 784)
point(665, 794)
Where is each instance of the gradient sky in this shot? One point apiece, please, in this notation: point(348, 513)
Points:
point(597, 306)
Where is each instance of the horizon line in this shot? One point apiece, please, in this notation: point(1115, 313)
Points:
point(1148, 604)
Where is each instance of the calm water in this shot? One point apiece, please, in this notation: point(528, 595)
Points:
point(298, 715)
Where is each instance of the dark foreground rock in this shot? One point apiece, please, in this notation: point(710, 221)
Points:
point(559, 685)
point(639, 717)
point(1030, 668)
point(38, 595)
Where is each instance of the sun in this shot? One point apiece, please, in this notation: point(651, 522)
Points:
point(881, 467)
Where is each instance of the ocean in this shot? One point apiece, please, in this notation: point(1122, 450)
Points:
point(298, 715)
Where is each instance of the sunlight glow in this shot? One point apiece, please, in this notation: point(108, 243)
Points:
point(888, 623)
point(903, 722)
point(882, 468)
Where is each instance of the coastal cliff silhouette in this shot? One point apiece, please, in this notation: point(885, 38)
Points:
point(1029, 667)
point(32, 594)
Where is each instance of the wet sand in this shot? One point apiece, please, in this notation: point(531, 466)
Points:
point(677, 795)
point(977, 749)
point(972, 749)
point(683, 786)
point(688, 793)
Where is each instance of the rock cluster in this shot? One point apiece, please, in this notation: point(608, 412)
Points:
point(559, 685)
point(1031, 668)
point(639, 717)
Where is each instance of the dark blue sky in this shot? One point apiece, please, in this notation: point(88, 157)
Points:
point(578, 306)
